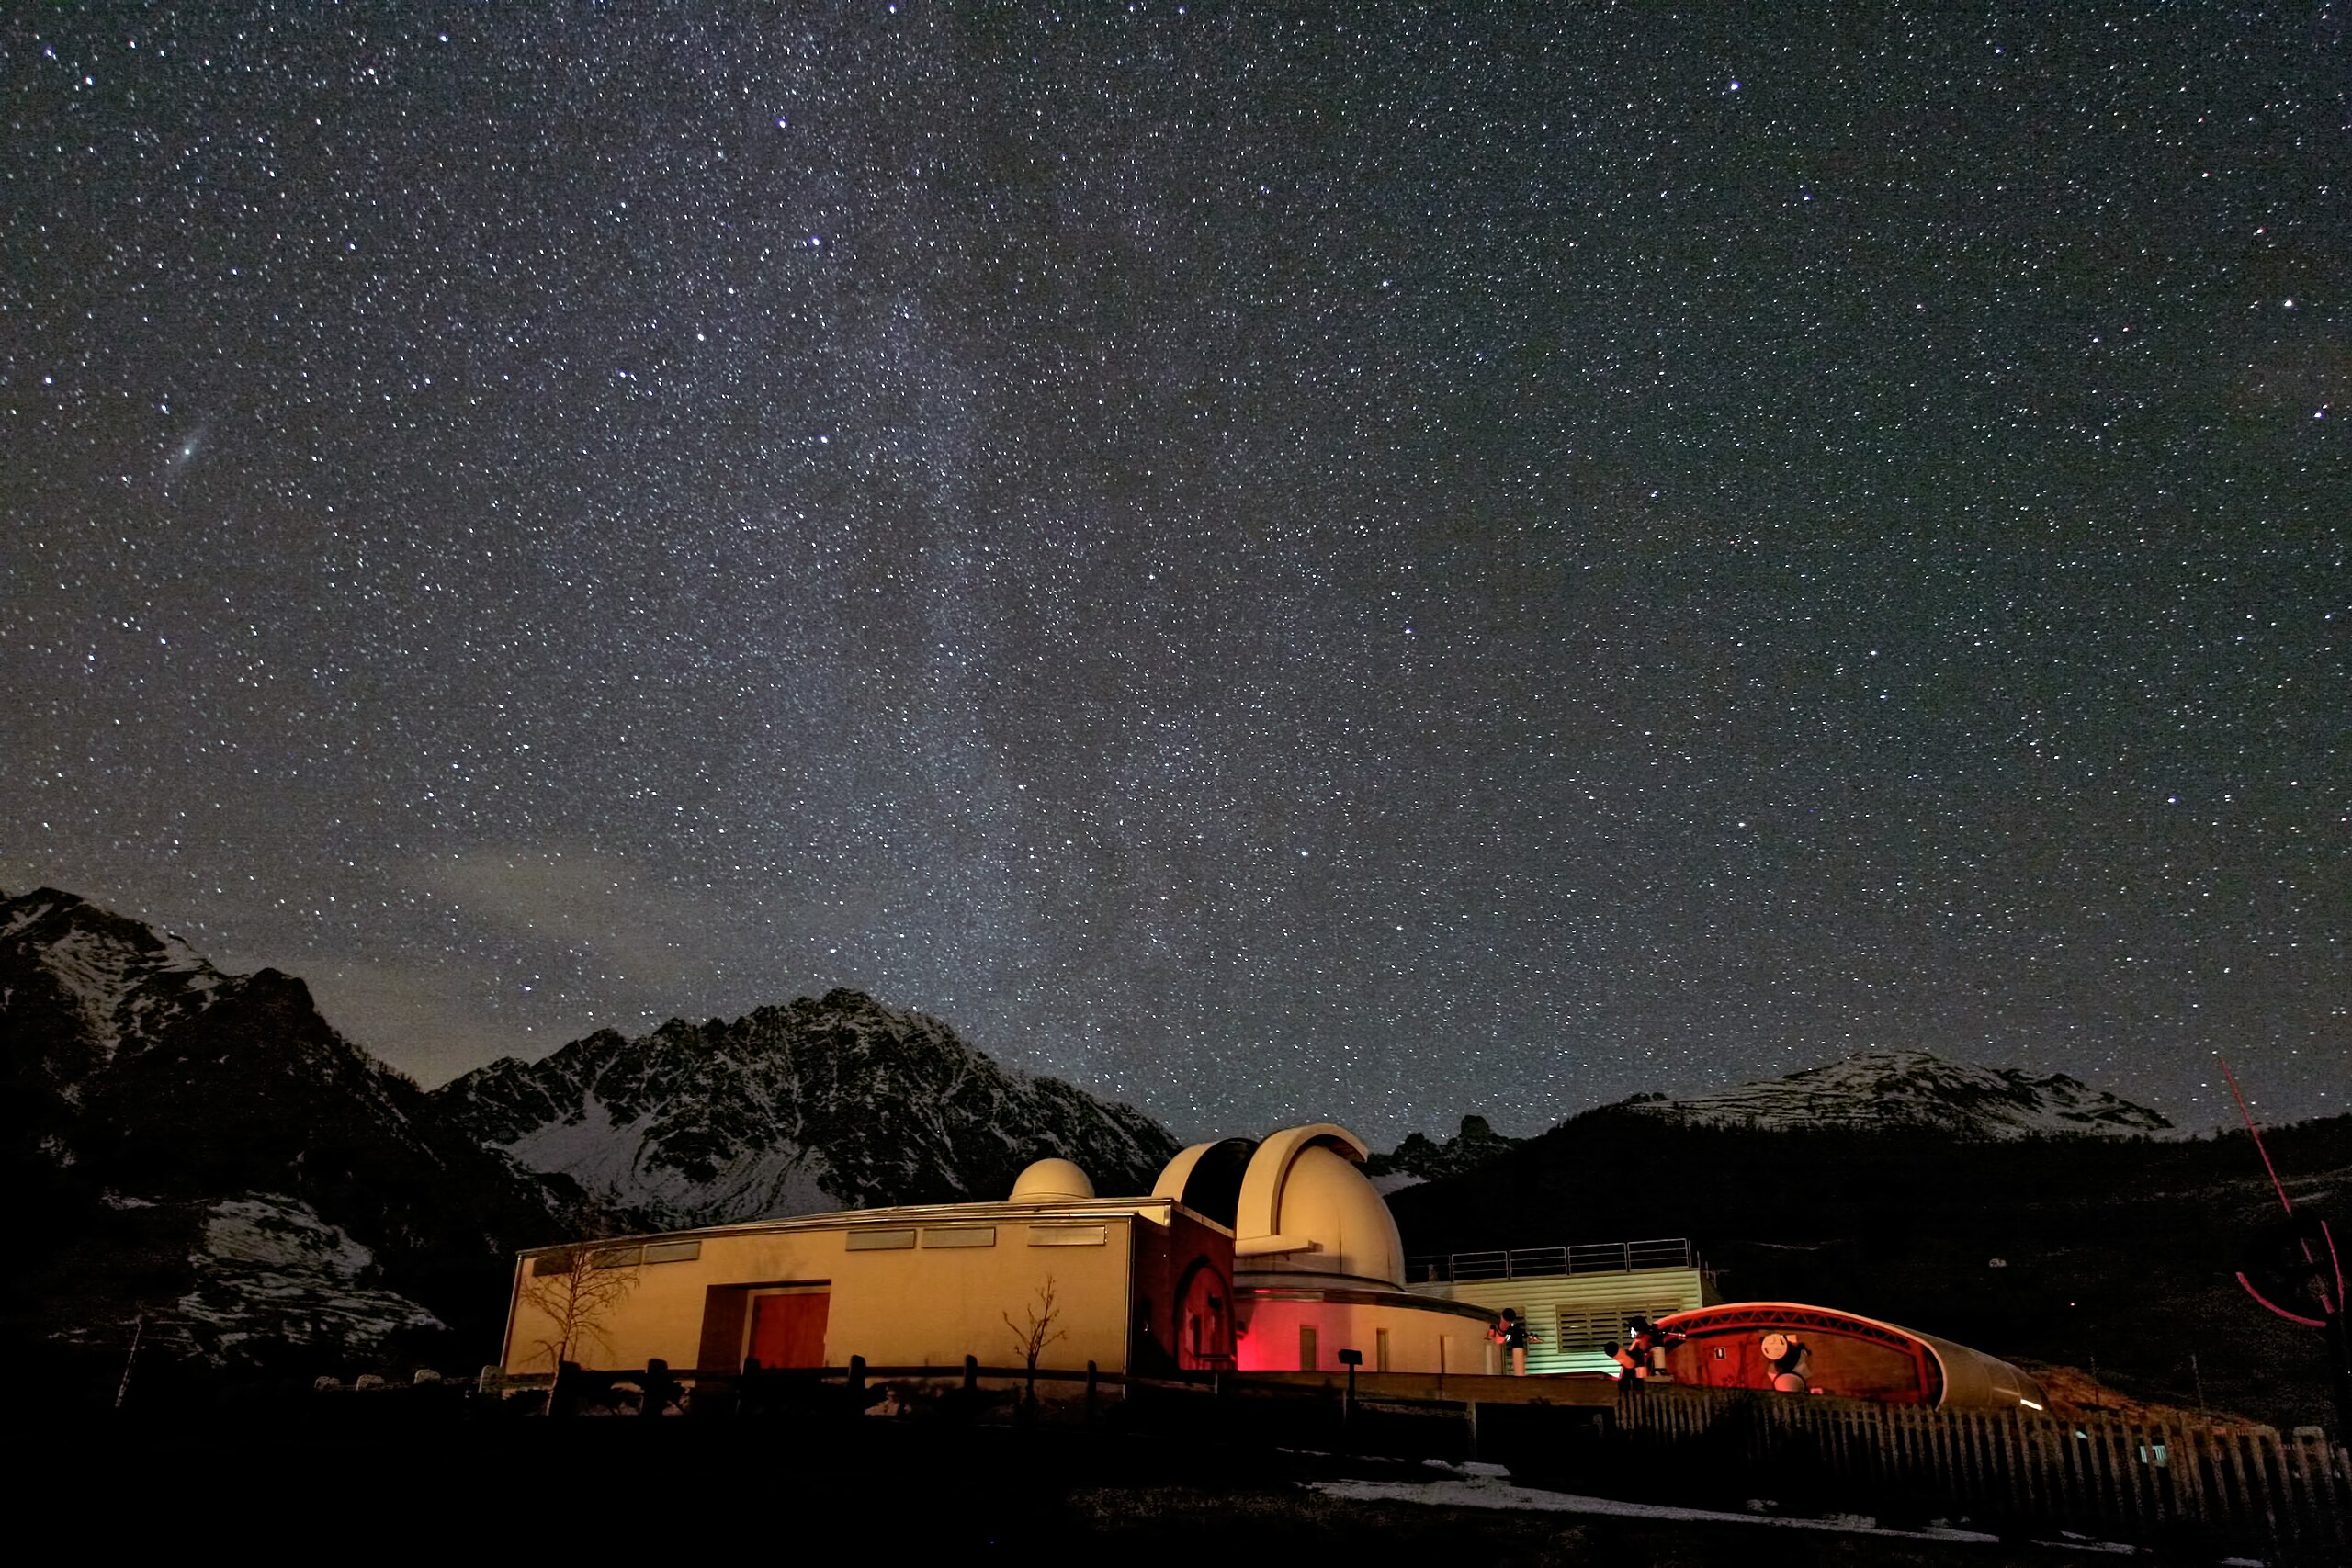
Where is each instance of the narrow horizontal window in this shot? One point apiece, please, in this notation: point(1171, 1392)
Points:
point(672, 1251)
point(1069, 1235)
point(961, 1235)
point(880, 1241)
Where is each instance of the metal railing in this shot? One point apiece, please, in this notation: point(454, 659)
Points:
point(1527, 1263)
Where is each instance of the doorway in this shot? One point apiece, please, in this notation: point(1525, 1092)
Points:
point(788, 1328)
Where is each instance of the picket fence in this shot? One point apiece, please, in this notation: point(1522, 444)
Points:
point(2116, 1480)
point(2282, 1497)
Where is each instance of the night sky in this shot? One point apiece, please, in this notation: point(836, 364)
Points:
point(1344, 565)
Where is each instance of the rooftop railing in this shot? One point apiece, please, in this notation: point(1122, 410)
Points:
point(1526, 1262)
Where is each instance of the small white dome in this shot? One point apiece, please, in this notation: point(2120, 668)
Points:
point(1052, 1181)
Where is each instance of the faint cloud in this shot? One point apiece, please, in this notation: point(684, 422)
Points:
point(642, 931)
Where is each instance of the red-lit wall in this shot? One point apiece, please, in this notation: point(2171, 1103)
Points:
point(1416, 1336)
point(1183, 1299)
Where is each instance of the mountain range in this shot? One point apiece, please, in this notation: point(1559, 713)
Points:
point(837, 1103)
point(1870, 1091)
point(202, 1156)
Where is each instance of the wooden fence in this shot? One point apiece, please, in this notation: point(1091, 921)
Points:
point(2011, 1472)
point(2012, 1469)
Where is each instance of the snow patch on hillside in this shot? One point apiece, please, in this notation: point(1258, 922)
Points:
point(119, 979)
point(623, 1164)
point(269, 1267)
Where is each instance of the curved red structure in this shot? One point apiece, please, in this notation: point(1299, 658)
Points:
point(1845, 1354)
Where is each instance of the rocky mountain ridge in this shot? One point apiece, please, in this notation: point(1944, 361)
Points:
point(1912, 1089)
point(829, 1104)
point(1423, 1158)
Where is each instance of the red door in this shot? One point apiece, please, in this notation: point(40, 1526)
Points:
point(789, 1330)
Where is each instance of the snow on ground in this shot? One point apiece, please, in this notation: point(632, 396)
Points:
point(1487, 1487)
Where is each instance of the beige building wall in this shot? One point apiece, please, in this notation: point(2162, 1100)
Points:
point(904, 1288)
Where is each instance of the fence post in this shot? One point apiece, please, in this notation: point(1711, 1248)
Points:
point(2180, 1478)
point(2265, 1510)
point(2123, 1451)
point(857, 1374)
point(2147, 1493)
point(1926, 1437)
point(2098, 1477)
point(971, 1373)
point(2332, 1498)
point(1975, 1481)
point(2248, 1508)
point(1996, 1452)
point(2124, 1466)
point(1968, 1467)
point(2294, 1488)
point(2021, 1450)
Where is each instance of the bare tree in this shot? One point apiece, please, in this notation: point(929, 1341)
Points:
point(575, 1291)
point(1030, 1339)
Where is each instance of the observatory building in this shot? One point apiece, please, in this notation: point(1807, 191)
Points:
point(1318, 1265)
point(1272, 1256)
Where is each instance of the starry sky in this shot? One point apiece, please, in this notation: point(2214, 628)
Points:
point(1363, 564)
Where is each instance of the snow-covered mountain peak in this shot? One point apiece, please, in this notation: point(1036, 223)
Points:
point(1913, 1088)
point(122, 982)
point(840, 1101)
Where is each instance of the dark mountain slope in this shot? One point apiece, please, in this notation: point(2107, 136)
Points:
point(2113, 1250)
point(192, 1115)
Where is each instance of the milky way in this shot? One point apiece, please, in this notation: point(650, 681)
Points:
point(1275, 566)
